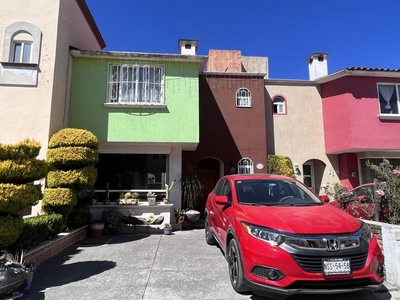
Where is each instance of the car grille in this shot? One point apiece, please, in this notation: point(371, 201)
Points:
point(314, 263)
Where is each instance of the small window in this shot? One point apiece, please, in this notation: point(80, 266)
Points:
point(243, 98)
point(388, 98)
point(245, 166)
point(21, 52)
point(279, 105)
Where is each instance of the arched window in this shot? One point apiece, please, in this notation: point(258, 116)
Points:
point(279, 105)
point(243, 98)
point(245, 166)
point(20, 56)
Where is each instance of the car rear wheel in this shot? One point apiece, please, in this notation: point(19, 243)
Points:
point(210, 239)
point(235, 268)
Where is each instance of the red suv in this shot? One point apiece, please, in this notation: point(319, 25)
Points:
point(280, 238)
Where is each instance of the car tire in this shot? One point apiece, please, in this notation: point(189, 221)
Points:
point(210, 239)
point(235, 267)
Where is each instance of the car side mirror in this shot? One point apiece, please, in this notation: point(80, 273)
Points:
point(324, 198)
point(223, 200)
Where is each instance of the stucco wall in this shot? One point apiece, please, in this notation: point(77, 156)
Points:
point(25, 111)
point(299, 134)
point(178, 122)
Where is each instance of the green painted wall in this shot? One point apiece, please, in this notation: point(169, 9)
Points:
point(178, 122)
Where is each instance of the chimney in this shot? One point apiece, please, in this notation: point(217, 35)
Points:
point(188, 47)
point(317, 65)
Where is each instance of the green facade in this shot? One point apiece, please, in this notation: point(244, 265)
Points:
point(178, 122)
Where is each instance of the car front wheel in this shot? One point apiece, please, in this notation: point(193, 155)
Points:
point(235, 268)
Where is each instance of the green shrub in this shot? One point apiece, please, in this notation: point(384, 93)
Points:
point(280, 165)
point(78, 179)
point(71, 157)
point(14, 197)
point(71, 137)
point(10, 228)
point(22, 150)
point(22, 171)
point(36, 230)
point(79, 216)
point(59, 201)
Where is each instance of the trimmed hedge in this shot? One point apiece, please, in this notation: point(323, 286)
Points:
point(59, 200)
point(14, 197)
point(36, 230)
point(73, 137)
point(10, 228)
point(23, 150)
point(71, 157)
point(22, 171)
point(79, 216)
point(78, 179)
point(280, 165)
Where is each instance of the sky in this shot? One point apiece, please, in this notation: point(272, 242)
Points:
point(355, 33)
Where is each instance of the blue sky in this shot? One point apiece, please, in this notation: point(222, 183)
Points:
point(356, 33)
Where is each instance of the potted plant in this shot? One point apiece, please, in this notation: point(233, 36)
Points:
point(112, 217)
point(167, 190)
point(191, 188)
point(135, 197)
point(167, 229)
point(151, 198)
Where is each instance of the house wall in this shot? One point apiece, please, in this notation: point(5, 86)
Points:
point(177, 123)
point(299, 134)
point(25, 110)
point(227, 132)
point(350, 111)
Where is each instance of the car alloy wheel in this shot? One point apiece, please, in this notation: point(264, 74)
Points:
point(235, 268)
point(210, 240)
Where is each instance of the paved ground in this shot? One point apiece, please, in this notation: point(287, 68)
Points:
point(149, 267)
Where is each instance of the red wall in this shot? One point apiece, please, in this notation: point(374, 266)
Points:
point(350, 110)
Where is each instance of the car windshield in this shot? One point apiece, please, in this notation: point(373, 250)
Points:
point(273, 192)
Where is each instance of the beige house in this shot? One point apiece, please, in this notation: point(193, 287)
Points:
point(35, 65)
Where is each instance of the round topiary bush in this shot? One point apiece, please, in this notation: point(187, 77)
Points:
point(22, 171)
point(73, 137)
point(23, 150)
point(78, 179)
point(59, 200)
point(10, 229)
point(14, 197)
point(71, 157)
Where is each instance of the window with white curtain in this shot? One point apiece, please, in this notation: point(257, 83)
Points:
point(389, 98)
point(243, 98)
point(245, 166)
point(136, 84)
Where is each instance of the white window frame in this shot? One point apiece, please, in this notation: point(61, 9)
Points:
point(24, 46)
point(279, 103)
point(245, 166)
point(243, 98)
point(383, 97)
point(136, 84)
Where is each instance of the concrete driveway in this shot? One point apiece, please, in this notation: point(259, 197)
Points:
point(149, 267)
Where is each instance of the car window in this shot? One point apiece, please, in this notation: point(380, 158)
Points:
point(364, 193)
point(218, 187)
point(274, 192)
point(227, 191)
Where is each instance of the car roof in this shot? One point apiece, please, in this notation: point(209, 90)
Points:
point(258, 176)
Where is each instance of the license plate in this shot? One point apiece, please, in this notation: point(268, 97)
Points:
point(336, 266)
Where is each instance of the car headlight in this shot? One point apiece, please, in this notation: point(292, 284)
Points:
point(367, 233)
point(270, 236)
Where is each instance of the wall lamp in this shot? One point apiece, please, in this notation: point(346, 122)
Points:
point(296, 169)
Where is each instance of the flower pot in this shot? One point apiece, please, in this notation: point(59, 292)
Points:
point(106, 202)
point(192, 216)
point(151, 200)
point(167, 231)
point(96, 229)
point(166, 201)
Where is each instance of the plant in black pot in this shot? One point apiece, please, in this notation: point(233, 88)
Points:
point(112, 217)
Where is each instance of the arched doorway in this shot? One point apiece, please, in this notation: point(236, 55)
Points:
point(207, 170)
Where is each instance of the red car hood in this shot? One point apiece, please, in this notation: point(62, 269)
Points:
point(320, 219)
